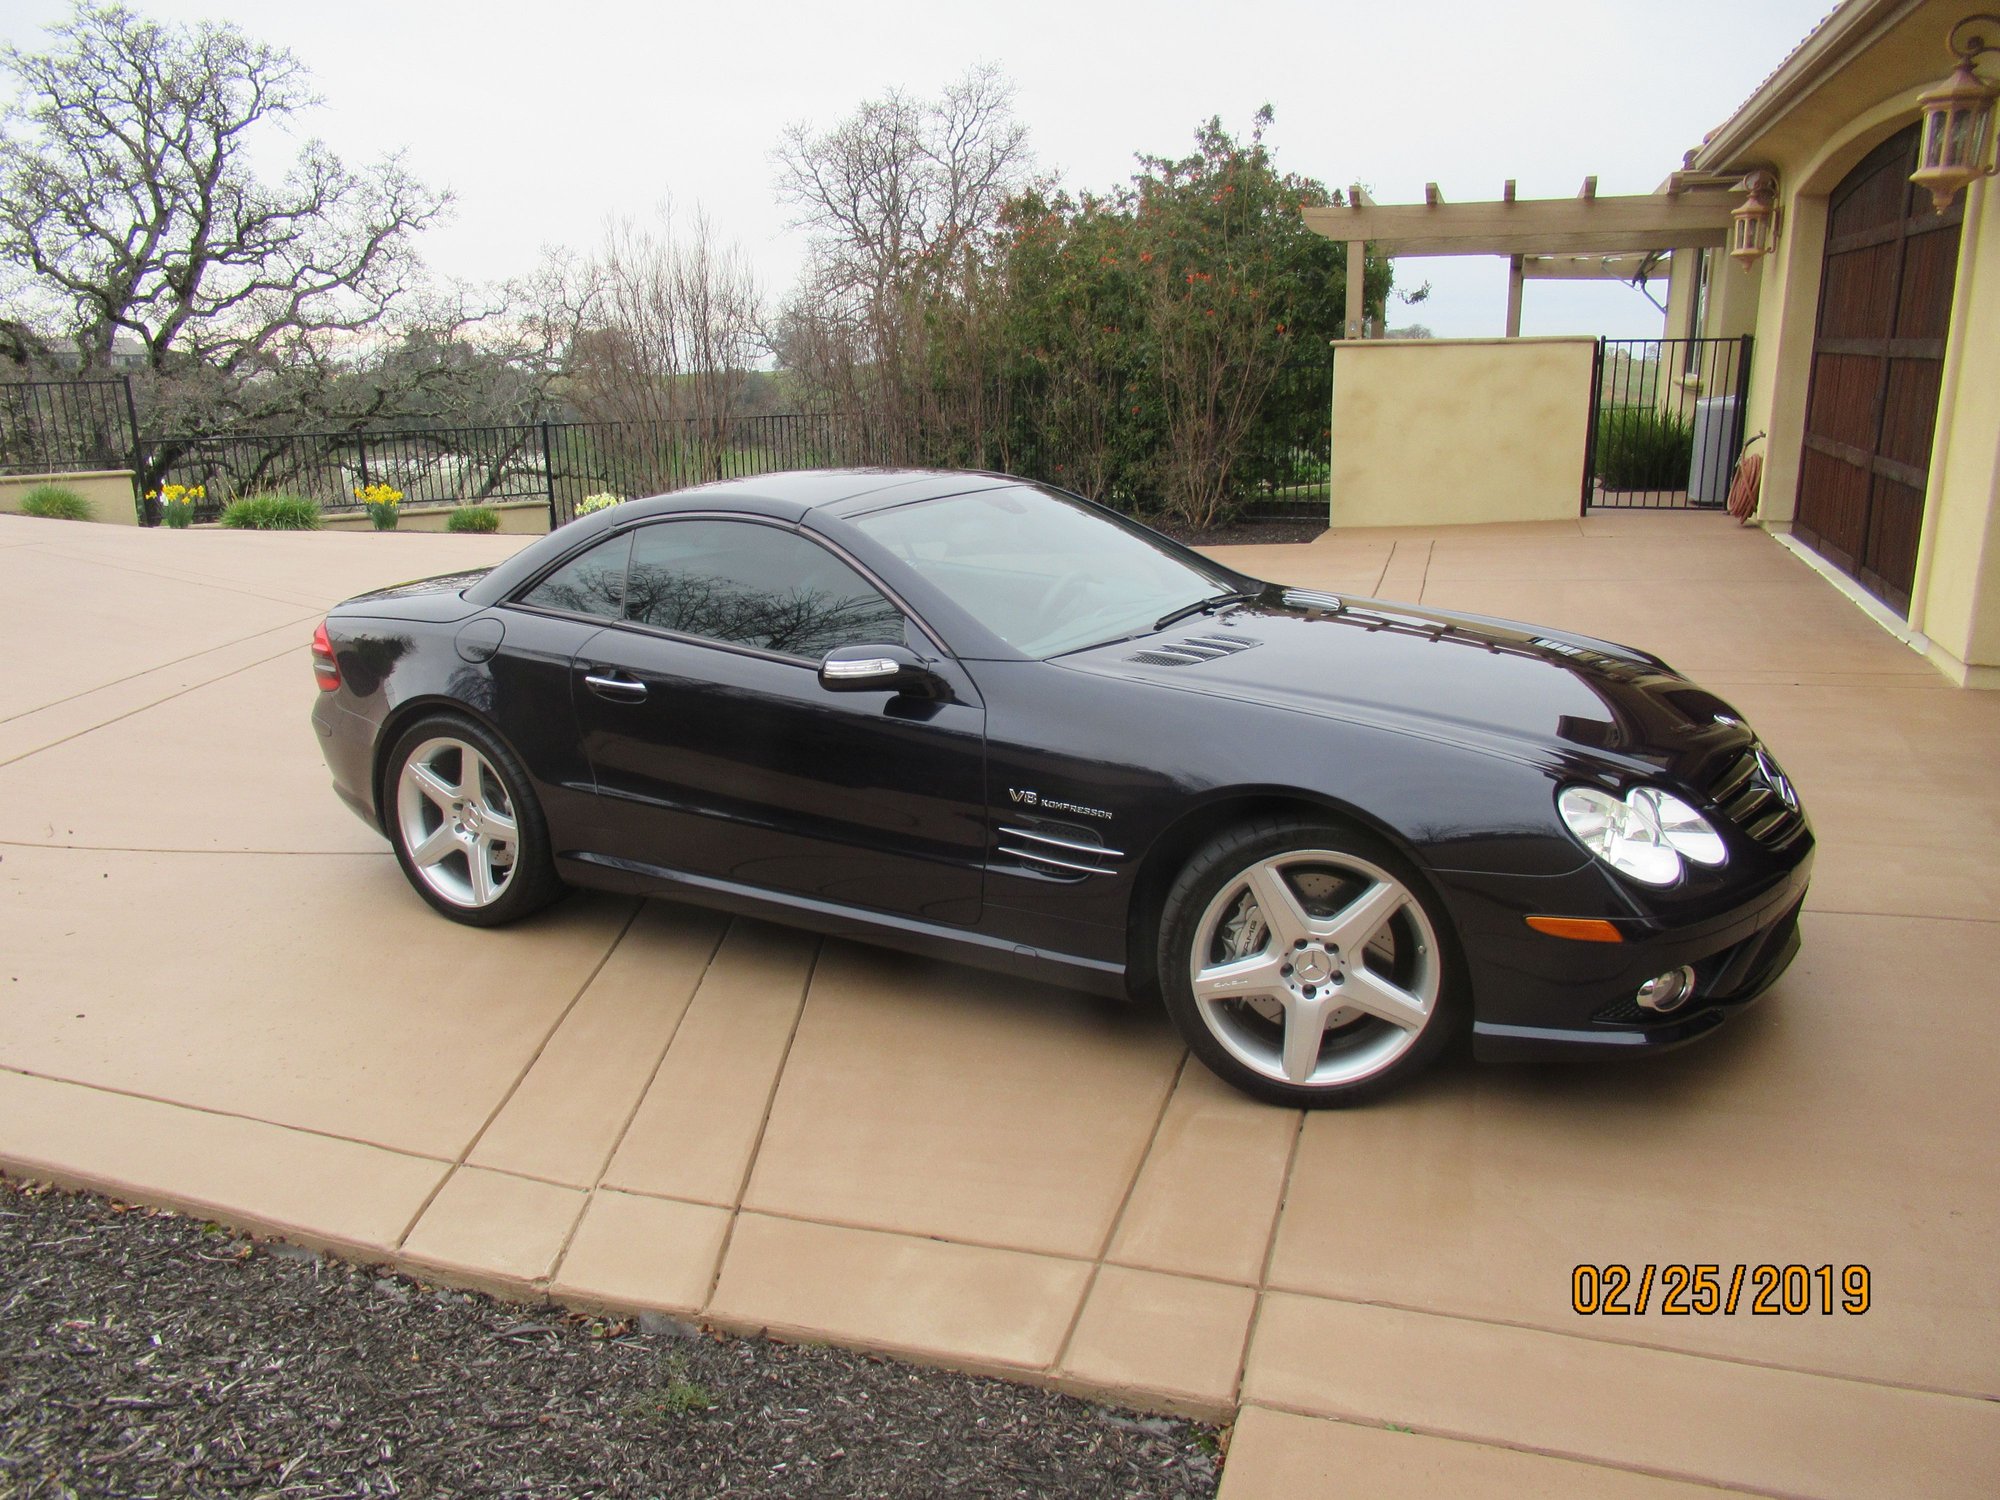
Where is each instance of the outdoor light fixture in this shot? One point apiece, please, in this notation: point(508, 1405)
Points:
point(1753, 222)
point(1958, 117)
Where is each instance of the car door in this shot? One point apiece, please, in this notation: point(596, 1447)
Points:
point(716, 751)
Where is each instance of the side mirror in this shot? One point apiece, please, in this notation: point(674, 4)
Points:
point(875, 669)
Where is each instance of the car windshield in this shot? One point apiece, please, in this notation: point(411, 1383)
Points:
point(1044, 573)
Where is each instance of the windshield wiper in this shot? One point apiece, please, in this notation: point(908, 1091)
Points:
point(1203, 606)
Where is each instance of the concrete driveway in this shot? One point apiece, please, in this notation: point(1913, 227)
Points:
point(217, 992)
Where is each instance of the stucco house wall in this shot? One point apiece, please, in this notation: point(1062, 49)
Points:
point(1812, 122)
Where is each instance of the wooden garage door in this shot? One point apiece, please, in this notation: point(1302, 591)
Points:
point(1878, 352)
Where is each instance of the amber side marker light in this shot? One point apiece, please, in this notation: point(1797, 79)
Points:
point(325, 672)
point(1578, 929)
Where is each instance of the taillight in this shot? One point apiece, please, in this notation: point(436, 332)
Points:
point(325, 671)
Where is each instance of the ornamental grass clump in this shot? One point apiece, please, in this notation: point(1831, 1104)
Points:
point(473, 518)
point(383, 502)
point(55, 502)
point(1641, 448)
point(177, 503)
point(271, 513)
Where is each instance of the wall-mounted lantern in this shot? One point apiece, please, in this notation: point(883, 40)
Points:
point(1753, 223)
point(1958, 117)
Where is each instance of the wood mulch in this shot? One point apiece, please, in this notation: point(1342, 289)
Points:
point(143, 1353)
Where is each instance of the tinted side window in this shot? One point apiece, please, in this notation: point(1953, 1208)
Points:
point(592, 584)
point(752, 585)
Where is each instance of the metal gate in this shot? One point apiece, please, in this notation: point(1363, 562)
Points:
point(1666, 423)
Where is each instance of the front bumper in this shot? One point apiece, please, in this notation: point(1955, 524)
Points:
point(1545, 997)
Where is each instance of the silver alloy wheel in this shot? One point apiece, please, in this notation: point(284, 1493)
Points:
point(457, 822)
point(1315, 968)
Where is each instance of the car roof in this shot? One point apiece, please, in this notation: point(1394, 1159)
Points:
point(794, 493)
point(788, 497)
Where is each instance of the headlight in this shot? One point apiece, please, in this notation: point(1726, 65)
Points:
point(1644, 835)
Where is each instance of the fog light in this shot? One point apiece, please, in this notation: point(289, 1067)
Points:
point(1668, 991)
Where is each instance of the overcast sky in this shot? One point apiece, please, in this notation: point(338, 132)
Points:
point(546, 118)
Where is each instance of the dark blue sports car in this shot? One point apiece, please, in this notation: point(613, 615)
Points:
point(980, 718)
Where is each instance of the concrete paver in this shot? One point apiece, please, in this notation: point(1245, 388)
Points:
point(634, 1251)
point(1278, 1455)
point(571, 1110)
point(967, 1306)
point(697, 1129)
point(1767, 1429)
point(637, 1105)
point(1143, 1336)
point(492, 1226)
point(314, 992)
point(315, 1189)
point(1206, 1200)
point(876, 1125)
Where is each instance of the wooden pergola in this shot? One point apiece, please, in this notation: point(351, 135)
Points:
point(1552, 239)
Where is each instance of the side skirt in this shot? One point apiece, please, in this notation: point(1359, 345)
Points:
point(885, 929)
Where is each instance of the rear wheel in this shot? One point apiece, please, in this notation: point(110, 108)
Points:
point(1307, 964)
point(465, 824)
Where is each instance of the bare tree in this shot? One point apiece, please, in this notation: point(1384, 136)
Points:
point(903, 197)
point(667, 335)
point(131, 216)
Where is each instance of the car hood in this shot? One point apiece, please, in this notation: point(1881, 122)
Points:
point(1514, 689)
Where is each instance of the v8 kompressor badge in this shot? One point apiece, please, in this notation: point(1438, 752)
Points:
point(1052, 804)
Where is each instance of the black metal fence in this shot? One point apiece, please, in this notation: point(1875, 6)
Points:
point(1666, 423)
point(556, 463)
point(559, 464)
point(50, 426)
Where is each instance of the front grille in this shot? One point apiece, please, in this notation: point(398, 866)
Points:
point(1750, 792)
point(1195, 649)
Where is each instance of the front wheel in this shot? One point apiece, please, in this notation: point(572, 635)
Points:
point(466, 827)
point(1307, 964)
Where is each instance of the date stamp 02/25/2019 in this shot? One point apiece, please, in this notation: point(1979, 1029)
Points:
point(1703, 1291)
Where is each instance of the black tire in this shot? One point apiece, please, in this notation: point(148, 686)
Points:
point(1357, 1059)
point(530, 882)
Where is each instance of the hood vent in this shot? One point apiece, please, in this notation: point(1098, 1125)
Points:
point(1312, 599)
point(1192, 651)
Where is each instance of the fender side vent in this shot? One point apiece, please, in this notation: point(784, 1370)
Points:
point(1055, 851)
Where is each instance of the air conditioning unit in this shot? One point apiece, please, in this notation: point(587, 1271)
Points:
point(1714, 456)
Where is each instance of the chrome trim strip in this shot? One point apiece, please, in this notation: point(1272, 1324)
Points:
point(1029, 856)
point(1044, 838)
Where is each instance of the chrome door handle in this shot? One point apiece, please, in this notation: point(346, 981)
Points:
point(623, 688)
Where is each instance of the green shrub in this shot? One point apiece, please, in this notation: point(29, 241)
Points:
point(271, 513)
point(55, 502)
point(473, 518)
point(1643, 448)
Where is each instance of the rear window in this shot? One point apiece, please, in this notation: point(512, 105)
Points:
point(592, 583)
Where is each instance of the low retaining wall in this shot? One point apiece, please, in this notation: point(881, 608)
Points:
point(1447, 432)
point(517, 518)
point(109, 492)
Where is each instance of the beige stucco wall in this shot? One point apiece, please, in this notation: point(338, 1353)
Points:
point(1955, 603)
point(109, 492)
point(1443, 432)
point(517, 518)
